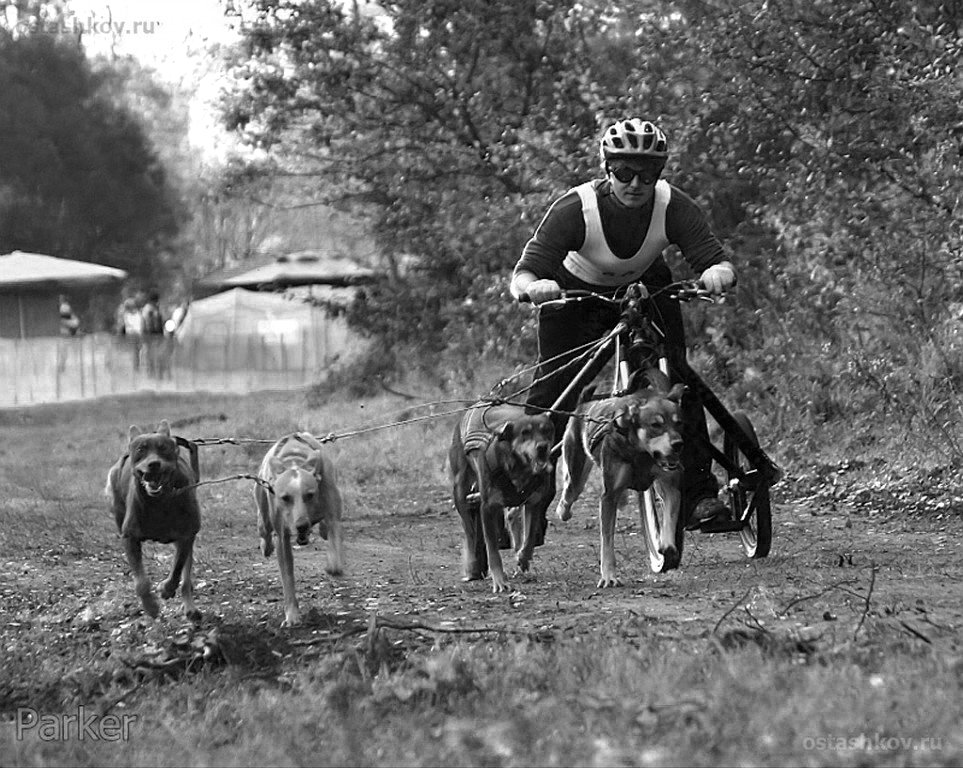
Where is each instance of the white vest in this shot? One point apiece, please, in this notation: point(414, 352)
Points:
point(595, 263)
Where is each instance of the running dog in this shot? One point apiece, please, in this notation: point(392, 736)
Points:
point(151, 495)
point(297, 488)
point(635, 438)
point(505, 455)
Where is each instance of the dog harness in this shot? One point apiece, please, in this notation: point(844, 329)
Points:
point(597, 432)
point(595, 263)
point(477, 435)
point(620, 446)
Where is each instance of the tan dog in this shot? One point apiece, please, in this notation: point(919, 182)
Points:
point(300, 490)
point(504, 454)
point(635, 439)
point(151, 494)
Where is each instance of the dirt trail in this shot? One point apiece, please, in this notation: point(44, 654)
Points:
point(832, 576)
point(813, 588)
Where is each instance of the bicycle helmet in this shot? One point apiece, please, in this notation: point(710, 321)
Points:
point(633, 138)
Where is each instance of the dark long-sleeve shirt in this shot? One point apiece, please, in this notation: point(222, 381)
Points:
point(563, 230)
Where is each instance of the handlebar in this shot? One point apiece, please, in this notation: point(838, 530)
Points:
point(683, 290)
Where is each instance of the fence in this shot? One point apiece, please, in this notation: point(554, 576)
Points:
point(47, 370)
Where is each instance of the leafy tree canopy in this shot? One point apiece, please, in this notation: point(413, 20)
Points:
point(824, 138)
point(78, 178)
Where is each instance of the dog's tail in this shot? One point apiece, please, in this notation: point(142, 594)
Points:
point(112, 474)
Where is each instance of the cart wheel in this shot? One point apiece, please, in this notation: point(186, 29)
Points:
point(650, 502)
point(757, 534)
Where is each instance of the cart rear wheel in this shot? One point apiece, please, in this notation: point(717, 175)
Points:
point(756, 536)
point(651, 506)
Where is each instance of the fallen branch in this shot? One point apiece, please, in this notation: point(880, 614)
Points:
point(758, 624)
point(417, 625)
point(916, 632)
point(108, 704)
point(729, 612)
point(379, 622)
point(839, 584)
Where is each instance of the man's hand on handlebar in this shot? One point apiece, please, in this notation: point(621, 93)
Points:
point(546, 291)
point(719, 278)
point(539, 291)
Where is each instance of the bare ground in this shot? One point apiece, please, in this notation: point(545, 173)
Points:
point(865, 564)
point(840, 570)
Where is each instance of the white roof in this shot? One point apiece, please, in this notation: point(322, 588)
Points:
point(34, 270)
point(302, 268)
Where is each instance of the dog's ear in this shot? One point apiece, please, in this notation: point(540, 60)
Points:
point(506, 431)
point(133, 432)
point(277, 466)
point(313, 463)
point(164, 428)
point(675, 394)
point(623, 421)
point(658, 380)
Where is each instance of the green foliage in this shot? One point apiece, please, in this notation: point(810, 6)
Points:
point(459, 121)
point(845, 120)
point(823, 138)
point(77, 176)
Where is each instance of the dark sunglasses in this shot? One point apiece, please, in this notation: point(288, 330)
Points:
point(625, 174)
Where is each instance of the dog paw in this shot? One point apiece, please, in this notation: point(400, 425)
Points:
point(524, 575)
point(291, 621)
point(168, 590)
point(609, 581)
point(474, 576)
point(267, 547)
point(523, 563)
point(151, 606)
point(501, 586)
point(563, 513)
point(475, 570)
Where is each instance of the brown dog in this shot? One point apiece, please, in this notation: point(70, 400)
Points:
point(504, 454)
point(299, 490)
point(151, 494)
point(635, 439)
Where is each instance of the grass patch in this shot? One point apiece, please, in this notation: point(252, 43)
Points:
point(604, 684)
point(591, 701)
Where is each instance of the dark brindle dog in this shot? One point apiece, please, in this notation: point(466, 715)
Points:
point(636, 441)
point(505, 454)
point(152, 498)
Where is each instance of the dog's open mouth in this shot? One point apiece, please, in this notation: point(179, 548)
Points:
point(154, 484)
point(669, 465)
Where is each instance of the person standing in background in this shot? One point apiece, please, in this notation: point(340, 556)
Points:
point(69, 322)
point(130, 325)
point(152, 323)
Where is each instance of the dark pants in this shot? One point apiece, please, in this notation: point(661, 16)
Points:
point(564, 328)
